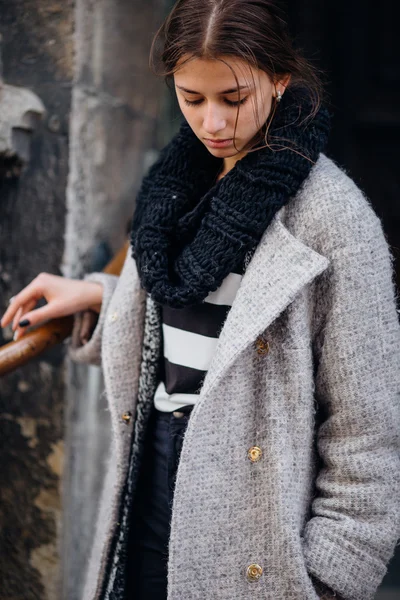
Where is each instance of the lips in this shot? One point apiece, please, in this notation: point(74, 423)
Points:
point(218, 143)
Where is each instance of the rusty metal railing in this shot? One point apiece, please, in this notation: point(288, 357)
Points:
point(15, 354)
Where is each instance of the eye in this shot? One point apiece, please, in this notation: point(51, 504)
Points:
point(232, 103)
point(229, 102)
point(192, 102)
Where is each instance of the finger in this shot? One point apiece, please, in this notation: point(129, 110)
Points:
point(30, 292)
point(34, 317)
point(21, 311)
point(5, 320)
point(40, 315)
point(20, 331)
point(17, 318)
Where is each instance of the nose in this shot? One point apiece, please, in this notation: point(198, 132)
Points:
point(214, 120)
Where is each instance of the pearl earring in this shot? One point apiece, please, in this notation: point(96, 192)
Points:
point(278, 96)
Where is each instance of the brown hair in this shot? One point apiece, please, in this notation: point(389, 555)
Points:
point(252, 30)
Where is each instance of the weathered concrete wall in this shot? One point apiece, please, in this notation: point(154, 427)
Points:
point(115, 111)
point(36, 55)
point(114, 134)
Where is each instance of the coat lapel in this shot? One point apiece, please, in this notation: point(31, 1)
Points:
point(281, 266)
point(124, 323)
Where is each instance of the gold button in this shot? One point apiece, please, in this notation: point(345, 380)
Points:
point(127, 417)
point(254, 453)
point(254, 572)
point(178, 414)
point(113, 317)
point(262, 346)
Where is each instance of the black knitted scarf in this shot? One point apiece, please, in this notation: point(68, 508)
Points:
point(190, 231)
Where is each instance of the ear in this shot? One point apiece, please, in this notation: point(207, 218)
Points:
point(283, 82)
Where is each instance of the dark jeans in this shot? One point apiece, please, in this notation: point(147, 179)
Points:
point(148, 555)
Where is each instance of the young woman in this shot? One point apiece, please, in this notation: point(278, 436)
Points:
point(250, 347)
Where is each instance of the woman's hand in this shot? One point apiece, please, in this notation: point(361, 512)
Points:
point(64, 297)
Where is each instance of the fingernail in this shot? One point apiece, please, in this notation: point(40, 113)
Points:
point(24, 323)
point(15, 336)
point(11, 299)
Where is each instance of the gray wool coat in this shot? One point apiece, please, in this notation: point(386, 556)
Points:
point(307, 368)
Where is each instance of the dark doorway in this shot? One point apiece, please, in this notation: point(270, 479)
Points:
point(356, 45)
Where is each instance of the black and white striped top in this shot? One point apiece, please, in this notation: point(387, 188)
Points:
point(190, 336)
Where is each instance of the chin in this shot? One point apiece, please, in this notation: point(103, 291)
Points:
point(218, 152)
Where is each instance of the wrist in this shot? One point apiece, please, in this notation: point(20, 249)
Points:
point(95, 308)
point(96, 296)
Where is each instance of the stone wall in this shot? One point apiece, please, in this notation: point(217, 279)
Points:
point(37, 55)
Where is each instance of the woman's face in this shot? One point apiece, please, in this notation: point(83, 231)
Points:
point(207, 94)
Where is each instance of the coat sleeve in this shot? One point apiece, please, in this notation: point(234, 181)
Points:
point(354, 525)
point(90, 353)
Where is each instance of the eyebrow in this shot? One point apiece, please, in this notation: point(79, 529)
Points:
point(230, 91)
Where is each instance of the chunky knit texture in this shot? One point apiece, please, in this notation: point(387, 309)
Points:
point(189, 233)
point(322, 404)
point(115, 578)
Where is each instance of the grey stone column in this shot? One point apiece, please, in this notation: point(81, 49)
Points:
point(114, 136)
